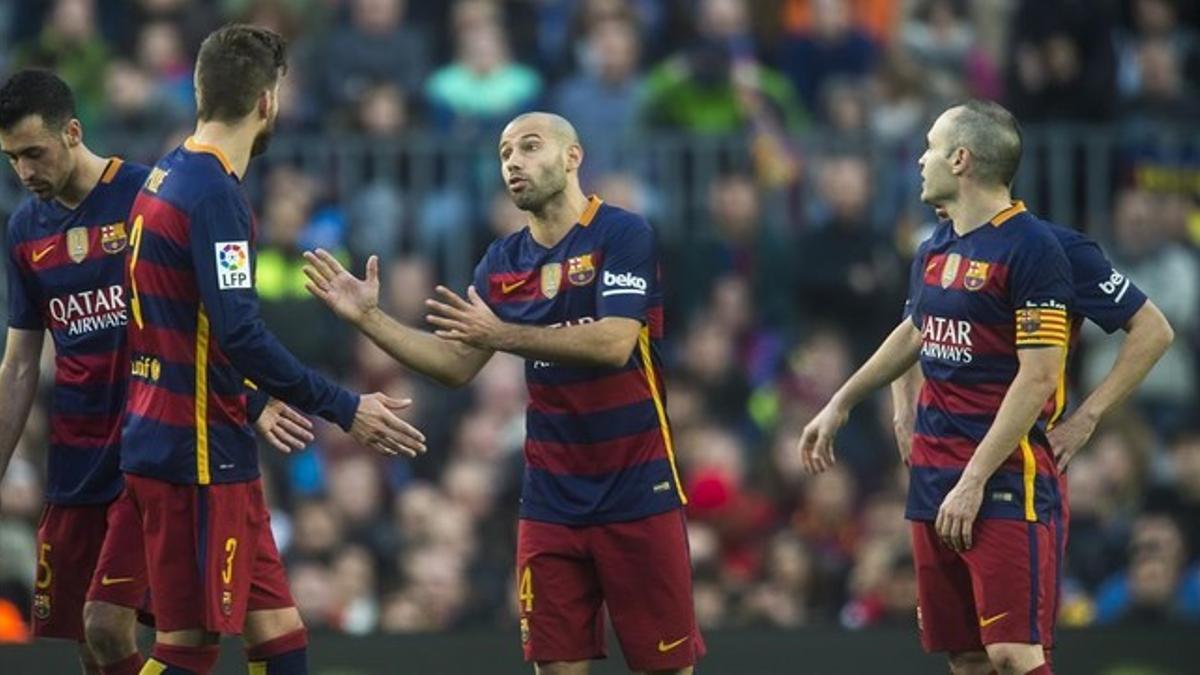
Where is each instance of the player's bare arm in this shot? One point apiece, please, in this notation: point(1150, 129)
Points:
point(898, 353)
point(607, 342)
point(356, 301)
point(18, 381)
point(905, 390)
point(1037, 376)
point(1148, 335)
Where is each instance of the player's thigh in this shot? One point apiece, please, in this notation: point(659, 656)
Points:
point(559, 601)
point(1012, 565)
point(946, 618)
point(271, 611)
point(646, 575)
point(563, 668)
point(120, 579)
point(68, 543)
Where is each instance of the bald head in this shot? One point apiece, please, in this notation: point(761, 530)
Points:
point(544, 124)
point(992, 135)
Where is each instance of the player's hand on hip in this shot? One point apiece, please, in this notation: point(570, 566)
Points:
point(284, 427)
point(816, 442)
point(468, 320)
point(1067, 437)
point(378, 426)
point(348, 296)
point(956, 517)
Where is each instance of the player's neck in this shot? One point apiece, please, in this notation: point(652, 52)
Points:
point(552, 222)
point(233, 140)
point(88, 169)
point(975, 208)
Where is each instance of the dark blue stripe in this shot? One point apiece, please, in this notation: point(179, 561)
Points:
point(629, 494)
point(605, 425)
point(1061, 549)
point(82, 475)
point(1034, 632)
point(164, 252)
point(571, 374)
point(180, 378)
point(985, 308)
point(166, 313)
point(983, 369)
point(166, 452)
point(101, 399)
point(97, 342)
point(1003, 494)
point(941, 424)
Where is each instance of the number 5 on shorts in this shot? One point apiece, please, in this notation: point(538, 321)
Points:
point(525, 590)
point(43, 582)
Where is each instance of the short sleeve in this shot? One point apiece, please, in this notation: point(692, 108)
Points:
point(24, 300)
point(1041, 292)
point(480, 279)
point(916, 283)
point(1103, 295)
point(628, 272)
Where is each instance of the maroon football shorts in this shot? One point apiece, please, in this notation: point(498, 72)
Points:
point(209, 552)
point(70, 540)
point(640, 570)
point(1002, 589)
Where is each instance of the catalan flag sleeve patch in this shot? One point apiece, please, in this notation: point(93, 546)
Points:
point(1041, 327)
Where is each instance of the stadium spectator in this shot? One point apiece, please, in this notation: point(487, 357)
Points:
point(833, 44)
point(1157, 585)
point(70, 45)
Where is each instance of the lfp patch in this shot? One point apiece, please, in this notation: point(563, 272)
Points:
point(233, 264)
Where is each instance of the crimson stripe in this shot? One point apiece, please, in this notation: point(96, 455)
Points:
point(530, 286)
point(603, 393)
point(976, 399)
point(81, 369)
point(166, 282)
point(168, 407)
point(173, 345)
point(582, 459)
point(955, 452)
point(160, 217)
point(59, 255)
point(85, 431)
point(989, 340)
point(654, 319)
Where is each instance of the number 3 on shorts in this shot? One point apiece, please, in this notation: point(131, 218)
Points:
point(525, 590)
point(230, 551)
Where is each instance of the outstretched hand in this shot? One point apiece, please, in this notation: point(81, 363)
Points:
point(348, 296)
point(284, 427)
point(467, 320)
point(378, 426)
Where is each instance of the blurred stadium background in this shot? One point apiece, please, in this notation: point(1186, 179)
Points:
point(773, 144)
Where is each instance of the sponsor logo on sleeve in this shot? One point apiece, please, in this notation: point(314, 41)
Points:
point(233, 264)
point(1115, 285)
point(625, 283)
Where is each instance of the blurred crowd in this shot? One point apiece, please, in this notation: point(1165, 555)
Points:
point(785, 265)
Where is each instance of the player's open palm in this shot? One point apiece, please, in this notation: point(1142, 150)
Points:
point(816, 442)
point(348, 296)
point(284, 427)
point(377, 425)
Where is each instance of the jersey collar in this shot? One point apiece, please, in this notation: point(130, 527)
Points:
point(1015, 208)
point(192, 145)
point(589, 213)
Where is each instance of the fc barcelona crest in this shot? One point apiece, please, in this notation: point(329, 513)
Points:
point(227, 602)
point(551, 279)
point(976, 276)
point(581, 270)
point(112, 238)
point(77, 243)
point(950, 269)
point(1029, 320)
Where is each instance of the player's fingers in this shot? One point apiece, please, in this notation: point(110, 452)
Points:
point(395, 404)
point(295, 432)
point(331, 262)
point(939, 524)
point(373, 269)
point(319, 265)
point(316, 278)
point(295, 417)
point(452, 298)
point(318, 292)
point(277, 442)
point(967, 524)
point(443, 309)
point(446, 324)
point(457, 336)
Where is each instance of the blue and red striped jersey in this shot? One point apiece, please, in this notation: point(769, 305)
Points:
point(977, 299)
point(195, 335)
point(598, 445)
point(66, 273)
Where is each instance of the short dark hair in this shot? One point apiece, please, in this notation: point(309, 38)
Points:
point(237, 62)
point(993, 136)
point(36, 92)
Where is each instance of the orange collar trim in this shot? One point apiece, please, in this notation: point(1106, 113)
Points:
point(1000, 218)
point(589, 213)
point(110, 171)
point(193, 146)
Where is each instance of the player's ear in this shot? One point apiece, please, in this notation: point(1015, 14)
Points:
point(72, 133)
point(959, 161)
point(574, 156)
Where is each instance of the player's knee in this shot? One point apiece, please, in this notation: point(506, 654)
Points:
point(109, 630)
point(561, 668)
point(1014, 658)
point(970, 663)
point(265, 625)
